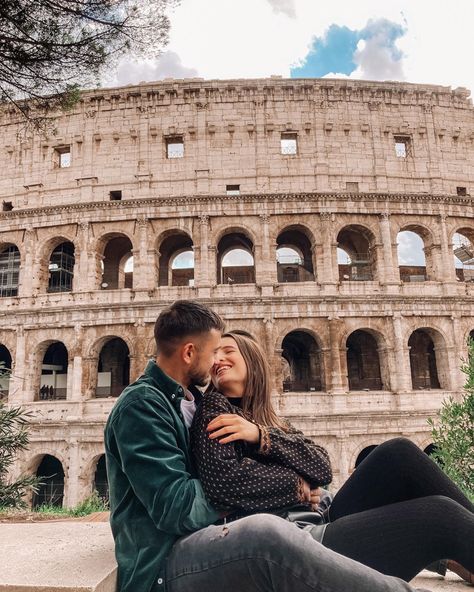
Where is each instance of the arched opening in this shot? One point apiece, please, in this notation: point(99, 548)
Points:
point(9, 270)
point(411, 256)
point(294, 257)
point(363, 454)
point(235, 262)
point(423, 364)
point(356, 256)
point(5, 370)
point(117, 264)
point(363, 363)
point(101, 484)
point(61, 268)
point(53, 382)
point(51, 490)
point(113, 368)
point(303, 363)
point(463, 250)
point(176, 261)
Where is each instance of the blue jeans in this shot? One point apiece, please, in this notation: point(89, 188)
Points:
point(264, 553)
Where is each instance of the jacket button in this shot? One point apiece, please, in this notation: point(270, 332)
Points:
point(160, 581)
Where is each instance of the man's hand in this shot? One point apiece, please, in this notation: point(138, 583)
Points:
point(233, 427)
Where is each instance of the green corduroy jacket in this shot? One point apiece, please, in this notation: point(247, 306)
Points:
point(155, 497)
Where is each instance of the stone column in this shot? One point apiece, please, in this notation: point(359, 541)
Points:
point(142, 268)
point(201, 255)
point(267, 275)
point(402, 355)
point(434, 262)
point(338, 382)
point(71, 470)
point(27, 270)
point(389, 275)
point(448, 271)
point(329, 267)
point(459, 354)
point(83, 260)
point(17, 386)
point(342, 468)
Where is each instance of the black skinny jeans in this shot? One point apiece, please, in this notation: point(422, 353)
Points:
point(398, 512)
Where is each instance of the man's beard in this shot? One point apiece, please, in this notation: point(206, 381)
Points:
point(198, 377)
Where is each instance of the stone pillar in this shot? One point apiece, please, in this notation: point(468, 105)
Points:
point(83, 260)
point(389, 275)
point(143, 268)
point(27, 270)
point(269, 325)
point(459, 354)
point(337, 382)
point(17, 387)
point(342, 467)
point(448, 270)
point(402, 355)
point(71, 480)
point(267, 275)
point(201, 255)
point(434, 262)
point(329, 267)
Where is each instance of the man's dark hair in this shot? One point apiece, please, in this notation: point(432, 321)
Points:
point(184, 318)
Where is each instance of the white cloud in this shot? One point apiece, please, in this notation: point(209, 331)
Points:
point(410, 249)
point(168, 65)
point(283, 6)
point(248, 39)
point(375, 61)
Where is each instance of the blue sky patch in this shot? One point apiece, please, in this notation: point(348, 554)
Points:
point(334, 51)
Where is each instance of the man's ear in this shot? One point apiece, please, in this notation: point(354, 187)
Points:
point(187, 352)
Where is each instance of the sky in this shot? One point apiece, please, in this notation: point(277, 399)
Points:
point(422, 41)
point(403, 40)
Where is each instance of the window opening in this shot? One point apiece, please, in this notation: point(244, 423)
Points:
point(402, 146)
point(289, 144)
point(232, 189)
point(175, 147)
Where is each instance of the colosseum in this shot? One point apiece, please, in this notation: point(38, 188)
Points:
point(332, 219)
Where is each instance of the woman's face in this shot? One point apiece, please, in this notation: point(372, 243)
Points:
point(229, 373)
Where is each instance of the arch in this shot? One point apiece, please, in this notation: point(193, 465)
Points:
point(113, 368)
point(303, 365)
point(363, 362)
point(411, 256)
point(239, 268)
point(6, 366)
point(10, 262)
point(364, 453)
point(358, 242)
point(54, 371)
point(51, 490)
point(230, 230)
point(114, 249)
point(101, 482)
point(173, 244)
point(294, 255)
point(61, 267)
point(423, 358)
point(462, 242)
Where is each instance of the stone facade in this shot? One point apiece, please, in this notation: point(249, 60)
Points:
point(361, 352)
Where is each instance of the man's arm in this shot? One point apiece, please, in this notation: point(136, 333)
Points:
point(155, 465)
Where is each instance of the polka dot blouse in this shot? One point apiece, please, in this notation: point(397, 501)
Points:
point(251, 477)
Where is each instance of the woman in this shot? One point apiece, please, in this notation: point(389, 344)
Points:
point(397, 513)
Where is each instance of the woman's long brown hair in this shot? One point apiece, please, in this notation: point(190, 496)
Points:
point(256, 402)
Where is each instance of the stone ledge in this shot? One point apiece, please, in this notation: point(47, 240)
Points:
point(57, 557)
point(79, 557)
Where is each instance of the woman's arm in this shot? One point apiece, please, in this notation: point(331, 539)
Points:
point(289, 448)
point(233, 481)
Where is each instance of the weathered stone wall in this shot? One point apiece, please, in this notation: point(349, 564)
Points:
point(346, 133)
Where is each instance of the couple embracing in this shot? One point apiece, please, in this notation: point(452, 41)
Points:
point(216, 492)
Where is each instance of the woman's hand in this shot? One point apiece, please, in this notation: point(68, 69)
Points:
point(233, 427)
point(315, 498)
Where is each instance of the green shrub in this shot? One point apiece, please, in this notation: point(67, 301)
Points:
point(453, 433)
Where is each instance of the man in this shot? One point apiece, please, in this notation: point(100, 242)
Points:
point(161, 521)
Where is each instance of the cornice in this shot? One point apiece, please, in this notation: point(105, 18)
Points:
point(214, 200)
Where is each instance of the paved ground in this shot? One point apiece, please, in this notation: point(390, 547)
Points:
point(452, 583)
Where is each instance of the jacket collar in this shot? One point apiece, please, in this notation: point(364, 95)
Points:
point(169, 387)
